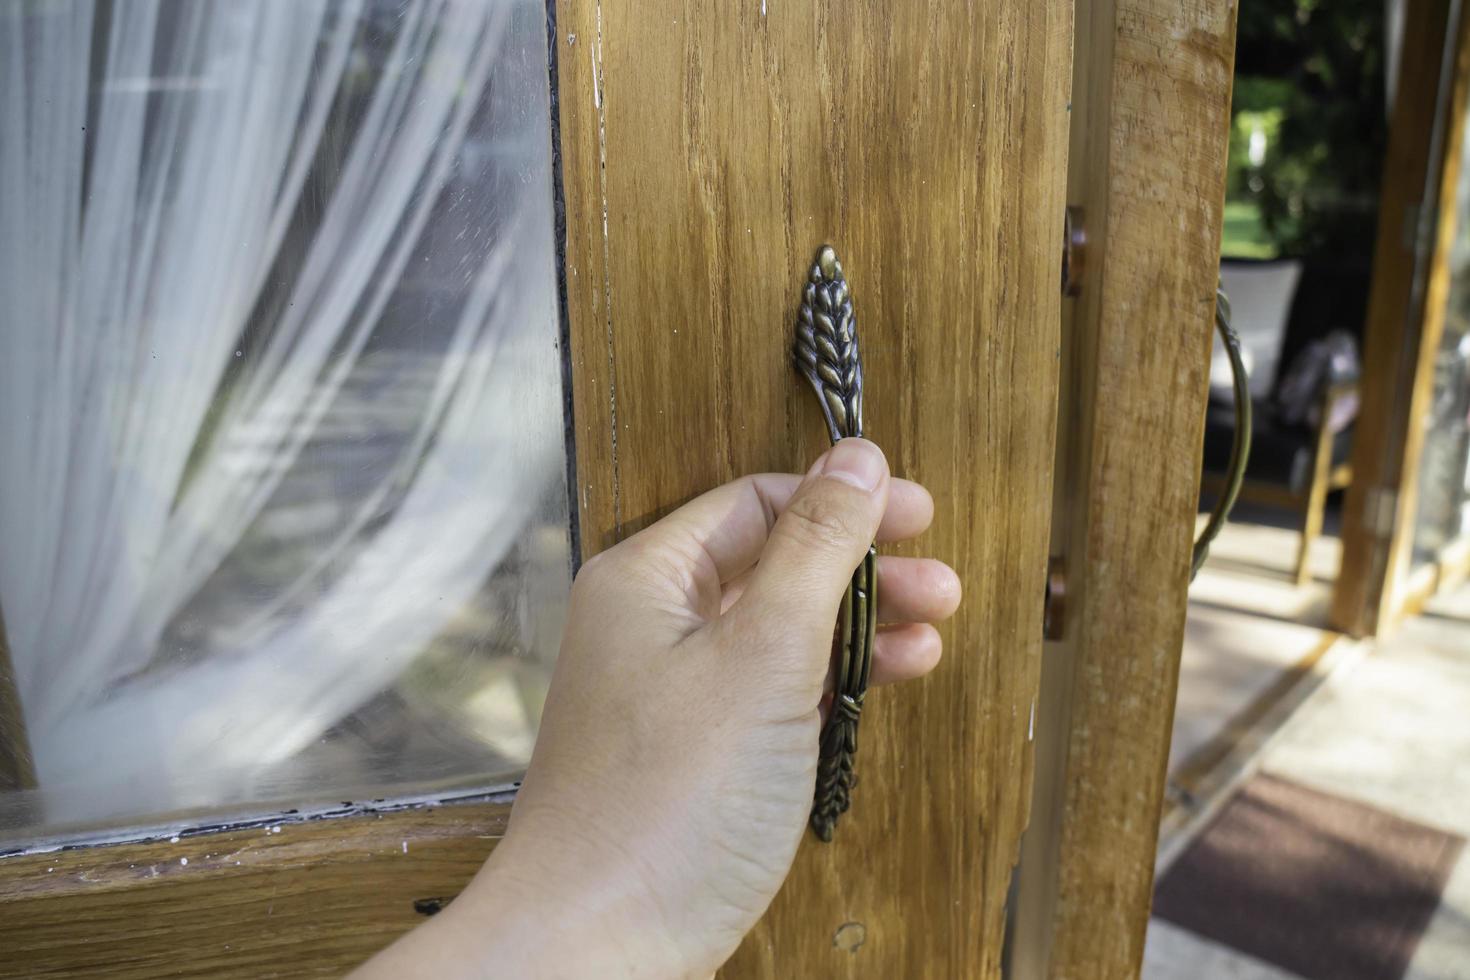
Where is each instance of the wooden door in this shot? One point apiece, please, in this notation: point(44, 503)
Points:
point(708, 151)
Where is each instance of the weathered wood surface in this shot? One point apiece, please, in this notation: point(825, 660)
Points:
point(281, 900)
point(1151, 106)
point(710, 149)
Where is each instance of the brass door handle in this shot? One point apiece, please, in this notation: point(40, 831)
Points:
point(1240, 446)
point(826, 354)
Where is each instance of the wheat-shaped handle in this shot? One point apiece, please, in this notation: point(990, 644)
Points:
point(826, 352)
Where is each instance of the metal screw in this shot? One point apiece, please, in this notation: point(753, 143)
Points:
point(1054, 621)
point(1074, 251)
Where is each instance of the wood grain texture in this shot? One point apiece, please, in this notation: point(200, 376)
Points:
point(1151, 99)
point(709, 150)
point(707, 153)
point(1403, 324)
point(305, 899)
point(17, 768)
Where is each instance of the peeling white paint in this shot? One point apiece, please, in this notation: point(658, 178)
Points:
point(596, 84)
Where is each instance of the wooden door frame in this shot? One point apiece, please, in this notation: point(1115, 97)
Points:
point(1406, 310)
point(1150, 137)
point(706, 152)
point(249, 898)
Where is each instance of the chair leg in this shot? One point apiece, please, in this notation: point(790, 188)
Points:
point(1311, 528)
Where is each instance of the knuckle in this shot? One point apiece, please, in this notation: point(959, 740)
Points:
point(596, 572)
point(820, 520)
point(635, 566)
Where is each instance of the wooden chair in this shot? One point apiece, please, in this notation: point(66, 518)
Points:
point(1291, 467)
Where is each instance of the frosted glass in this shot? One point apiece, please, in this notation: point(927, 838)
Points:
point(284, 519)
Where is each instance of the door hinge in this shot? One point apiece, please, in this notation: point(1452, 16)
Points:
point(1380, 511)
point(1074, 250)
point(1054, 620)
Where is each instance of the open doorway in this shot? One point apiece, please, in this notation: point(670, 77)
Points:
point(1309, 133)
point(1308, 828)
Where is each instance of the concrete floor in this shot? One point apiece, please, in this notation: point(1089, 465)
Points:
point(1391, 730)
point(1248, 624)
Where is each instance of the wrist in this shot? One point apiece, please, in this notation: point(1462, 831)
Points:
point(538, 911)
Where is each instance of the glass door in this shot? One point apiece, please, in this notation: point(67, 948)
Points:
point(1442, 517)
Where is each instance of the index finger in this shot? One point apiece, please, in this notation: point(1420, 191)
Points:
point(731, 522)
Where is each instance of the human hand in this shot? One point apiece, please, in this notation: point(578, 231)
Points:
point(674, 770)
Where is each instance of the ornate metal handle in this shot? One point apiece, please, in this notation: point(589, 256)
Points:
point(826, 353)
point(1240, 445)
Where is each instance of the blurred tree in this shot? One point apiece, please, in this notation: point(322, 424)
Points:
point(1308, 125)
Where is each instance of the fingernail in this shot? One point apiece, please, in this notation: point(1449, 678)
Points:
point(855, 462)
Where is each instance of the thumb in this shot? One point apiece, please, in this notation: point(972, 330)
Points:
point(818, 541)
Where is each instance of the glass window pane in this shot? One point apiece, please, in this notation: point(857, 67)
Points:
point(283, 505)
point(1443, 509)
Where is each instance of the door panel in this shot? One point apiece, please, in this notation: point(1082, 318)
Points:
point(707, 153)
point(1147, 168)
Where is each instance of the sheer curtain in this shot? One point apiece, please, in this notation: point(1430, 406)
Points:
point(206, 208)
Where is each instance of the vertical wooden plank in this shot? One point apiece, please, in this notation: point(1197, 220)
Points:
point(709, 150)
point(1416, 224)
point(1151, 106)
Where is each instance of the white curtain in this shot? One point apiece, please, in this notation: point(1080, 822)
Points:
point(153, 159)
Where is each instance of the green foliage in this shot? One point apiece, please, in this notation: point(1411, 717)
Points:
point(1245, 233)
point(1309, 90)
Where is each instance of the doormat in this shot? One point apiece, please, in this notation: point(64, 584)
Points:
point(1327, 888)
